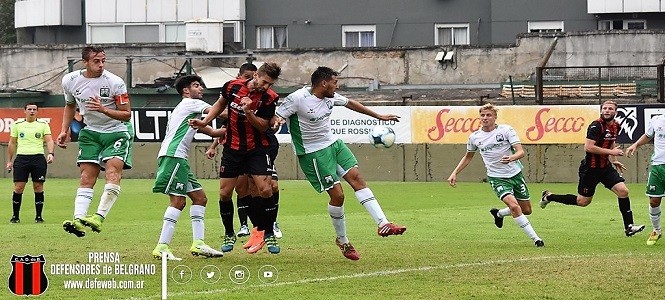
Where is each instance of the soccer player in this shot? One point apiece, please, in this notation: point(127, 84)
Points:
point(597, 168)
point(251, 105)
point(104, 144)
point(655, 188)
point(27, 138)
point(324, 158)
point(501, 150)
point(174, 177)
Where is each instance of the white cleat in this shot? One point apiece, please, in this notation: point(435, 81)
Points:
point(244, 231)
point(205, 250)
point(543, 199)
point(276, 230)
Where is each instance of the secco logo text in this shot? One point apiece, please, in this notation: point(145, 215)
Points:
point(544, 124)
point(446, 125)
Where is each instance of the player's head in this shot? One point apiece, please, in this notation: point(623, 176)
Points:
point(488, 114)
point(608, 110)
point(266, 76)
point(325, 79)
point(246, 71)
point(190, 86)
point(94, 59)
point(30, 110)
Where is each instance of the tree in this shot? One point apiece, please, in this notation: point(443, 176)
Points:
point(7, 30)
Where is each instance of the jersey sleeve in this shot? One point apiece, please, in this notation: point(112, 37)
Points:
point(340, 100)
point(288, 106)
point(650, 132)
point(199, 106)
point(268, 110)
point(513, 138)
point(593, 132)
point(120, 94)
point(69, 98)
point(14, 131)
point(47, 129)
point(470, 145)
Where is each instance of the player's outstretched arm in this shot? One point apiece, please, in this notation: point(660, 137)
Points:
point(466, 159)
point(359, 107)
point(643, 140)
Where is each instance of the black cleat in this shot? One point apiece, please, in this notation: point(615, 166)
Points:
point(15, 220)
point(39, 220)
point(498, 221)
point(540, 244)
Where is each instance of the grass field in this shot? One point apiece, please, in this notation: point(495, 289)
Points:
point(451, 250)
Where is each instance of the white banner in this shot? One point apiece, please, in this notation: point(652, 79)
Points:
point(354, 127)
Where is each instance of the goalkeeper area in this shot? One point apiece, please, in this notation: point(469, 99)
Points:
point(451, 250)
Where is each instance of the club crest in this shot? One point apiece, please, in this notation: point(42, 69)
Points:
point(28, 276)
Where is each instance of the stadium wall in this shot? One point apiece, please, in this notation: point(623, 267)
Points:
point(404, 162)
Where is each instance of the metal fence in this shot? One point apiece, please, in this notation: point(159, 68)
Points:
point(597, 82)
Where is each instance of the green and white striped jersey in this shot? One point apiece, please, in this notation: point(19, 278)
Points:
point(179, 135)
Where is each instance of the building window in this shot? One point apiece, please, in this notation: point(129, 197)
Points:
point(128, 33)
point(621, 24)
point(358, 36)
point(174, 33)
point(451, 34)
point(106, 34)
point(271, 37)
point(143, 33)
point(545, 26)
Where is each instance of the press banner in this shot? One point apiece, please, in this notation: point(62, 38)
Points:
point(546, 124)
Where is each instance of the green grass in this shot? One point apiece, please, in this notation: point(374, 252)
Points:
point(451, 250)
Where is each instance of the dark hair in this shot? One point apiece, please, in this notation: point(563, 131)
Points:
point(271, 69)
point(85, 53)
point(321, 74)
point(186, 81)
point(30, 103)
point(247, 67)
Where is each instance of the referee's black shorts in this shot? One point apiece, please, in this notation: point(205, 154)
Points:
point(30, 165)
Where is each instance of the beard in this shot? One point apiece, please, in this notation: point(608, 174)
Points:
point(607, 119)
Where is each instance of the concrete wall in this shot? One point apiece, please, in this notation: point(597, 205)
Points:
point(31, 66)
point(422, 162)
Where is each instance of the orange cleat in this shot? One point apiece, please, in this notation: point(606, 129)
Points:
point(255, 237)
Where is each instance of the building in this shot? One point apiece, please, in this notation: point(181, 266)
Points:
point(324, 24)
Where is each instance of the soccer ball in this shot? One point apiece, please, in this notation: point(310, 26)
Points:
point(382, 136)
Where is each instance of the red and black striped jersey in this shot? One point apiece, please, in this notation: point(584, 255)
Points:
point(605, 134)
point(240, 134)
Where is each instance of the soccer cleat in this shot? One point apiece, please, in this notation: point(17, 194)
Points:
point(94, 222)
point(633, 229)
point(276, 230)
point(74, 227)
point(244, 231)
point(39, 220)
point(15, 220)
point(653, 238)
point(347, 250)
point(164, 249)
point(540, 244)
point(498, 221)
point(256, 247)
point(273, 246)
point(200, 248)
point(390, 229)
point(228, 243)
point(543, 199)
point(255, 237)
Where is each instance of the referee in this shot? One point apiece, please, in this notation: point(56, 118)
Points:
point(27, 141)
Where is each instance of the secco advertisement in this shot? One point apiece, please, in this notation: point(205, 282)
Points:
point(353, 127)
point(534, 124)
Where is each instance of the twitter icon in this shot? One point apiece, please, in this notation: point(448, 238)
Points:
point(210, 274)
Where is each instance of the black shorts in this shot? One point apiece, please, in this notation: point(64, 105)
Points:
point(590, 177)
point(30, 165)
point(252, 162)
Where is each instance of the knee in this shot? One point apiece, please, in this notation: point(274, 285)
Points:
point(178, 203)
point(265, 191)
point(583, 202)
point(203, 201)
point(526, 210)
point(19, 188)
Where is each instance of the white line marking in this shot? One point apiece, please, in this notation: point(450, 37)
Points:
point(396, 271)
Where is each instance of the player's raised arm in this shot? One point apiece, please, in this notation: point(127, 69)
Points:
point(359, 107)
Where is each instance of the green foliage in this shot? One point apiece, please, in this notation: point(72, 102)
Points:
point(7, 30)
point(451, 250)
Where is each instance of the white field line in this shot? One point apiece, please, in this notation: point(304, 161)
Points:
point(392, 272)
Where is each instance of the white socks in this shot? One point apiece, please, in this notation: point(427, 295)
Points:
point(504, 212)
point(197, 213)
point(337, 217)
point(171, 216)
point(367, 200)
point(111, 192)
point(523, 223)
point(654, 213)
point(82, 202)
